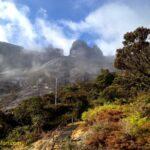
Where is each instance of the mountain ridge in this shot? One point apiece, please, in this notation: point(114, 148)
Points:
point(38, 70)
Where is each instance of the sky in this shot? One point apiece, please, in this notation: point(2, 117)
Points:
point(35, 24)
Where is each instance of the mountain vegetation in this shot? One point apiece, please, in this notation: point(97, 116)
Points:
point(110, 112)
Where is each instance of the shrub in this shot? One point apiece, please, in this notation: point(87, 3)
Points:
point(114, 92)
point(28, 109)
point(110, 128)
point(142, 104)
point(98, 102)
point(106, 122)
point(133, 124)
point(7, 122)
point(25, 133)
point(105, 79)
point(92, 113)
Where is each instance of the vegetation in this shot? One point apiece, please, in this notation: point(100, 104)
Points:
point(115, 107)
point(134, 56)
point(113, 127)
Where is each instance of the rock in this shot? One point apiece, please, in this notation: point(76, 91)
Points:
point(80, 49)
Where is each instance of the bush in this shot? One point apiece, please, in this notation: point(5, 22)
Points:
point(114, 92)
point(115, 127)
point(27, 110)
point(134, 123)
point(98, 102)
point(142, 104)
point(24, 133)
point(103, 122)
point(7, 122)
point(91, 114)
point(105, 79)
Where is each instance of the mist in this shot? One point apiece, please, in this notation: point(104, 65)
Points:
point(30, 70)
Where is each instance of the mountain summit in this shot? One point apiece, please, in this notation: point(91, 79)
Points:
point(81, 49)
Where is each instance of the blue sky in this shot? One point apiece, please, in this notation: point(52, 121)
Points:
point(75, 10)
point(35, 24)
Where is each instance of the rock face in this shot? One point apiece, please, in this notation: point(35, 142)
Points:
point(87, 61)
point(34, 71)
point(80, 49)
point(8, 55)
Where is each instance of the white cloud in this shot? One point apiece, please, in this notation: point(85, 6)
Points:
point(17, 28)
point(3, 36)
point(109, 22)
point(54, 34)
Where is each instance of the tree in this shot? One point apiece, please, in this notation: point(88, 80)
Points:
point(134, 57)
point(7, 122)
point(31, 112)
point(76, 96)
point(105, 79)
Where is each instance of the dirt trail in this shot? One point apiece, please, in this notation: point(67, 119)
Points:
point(56, 141)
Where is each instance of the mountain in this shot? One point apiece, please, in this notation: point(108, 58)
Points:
point(9, 54)
point(80, 49)
point(16, 57)
point(25, 73)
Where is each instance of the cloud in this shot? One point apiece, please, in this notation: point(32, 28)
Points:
point(54, 34)
point(17, 23)
point(16, 27)
point(3, 36)
point(109, 22)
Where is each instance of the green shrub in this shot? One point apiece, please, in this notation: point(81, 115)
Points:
point(105, 79)
point(113, 92)
point(134, 123)
point(25, 133)
point(142, 104)
point(17, 133)
point(98, 102)
point(92, 113)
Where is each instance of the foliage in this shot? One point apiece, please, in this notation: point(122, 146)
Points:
point(24, 133)
point(77, 96)
point(92, 113)
point(134, 123)
point(105, 122)
point(114, 92)
point(105, 79)
point(132, 84)
point(111, 127)
point(7, 122)
point(134, 56)
point(142, 104)
point(31, 112)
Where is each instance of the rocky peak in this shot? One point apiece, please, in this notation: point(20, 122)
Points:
point(81, 49)
point(78, 44)
point(96, 50)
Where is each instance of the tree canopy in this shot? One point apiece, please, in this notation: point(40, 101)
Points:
point(134, 56)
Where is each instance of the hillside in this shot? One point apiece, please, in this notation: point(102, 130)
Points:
point(109, 112)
